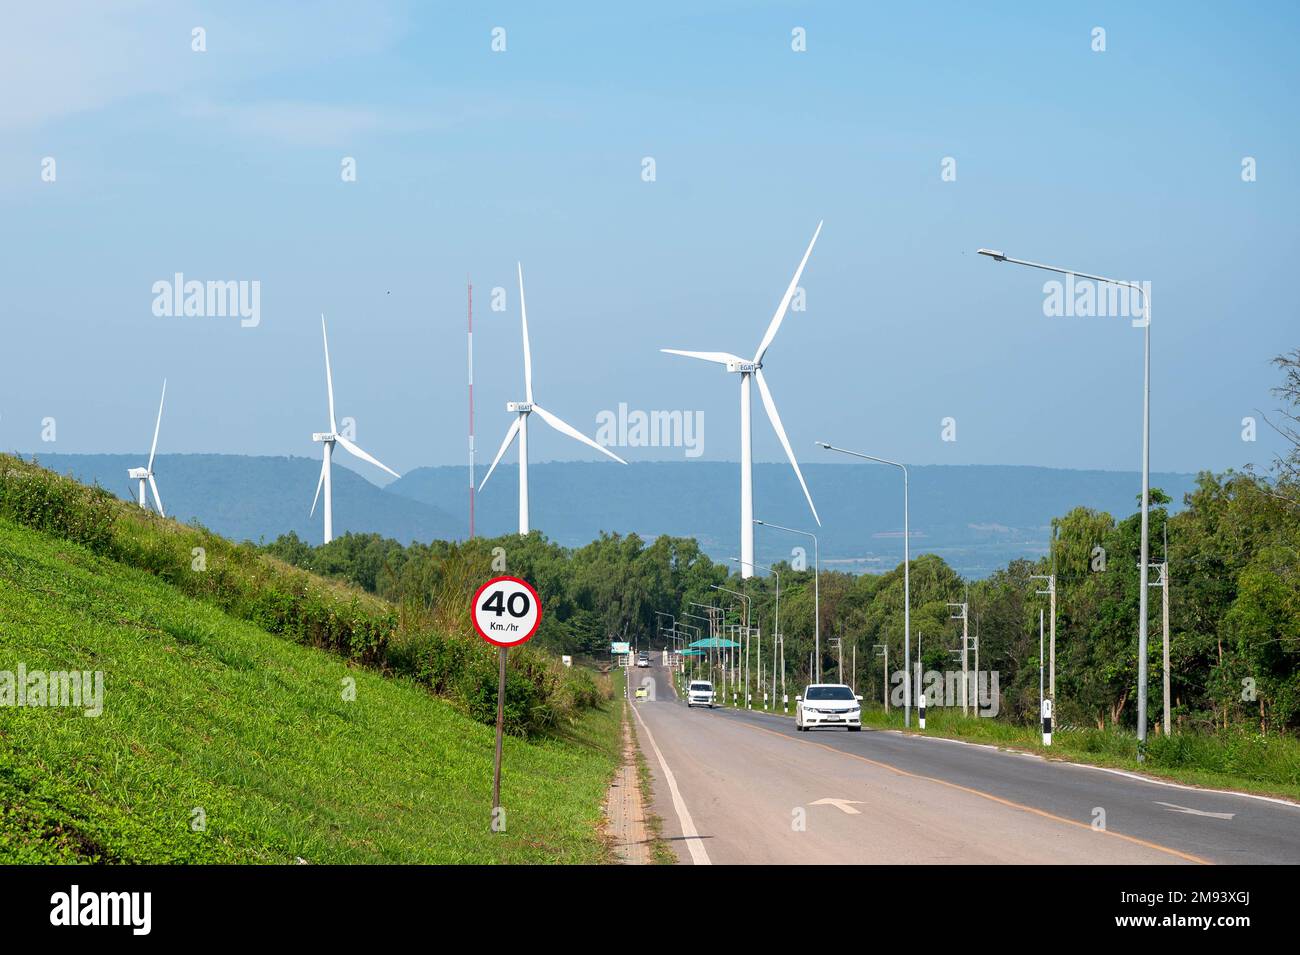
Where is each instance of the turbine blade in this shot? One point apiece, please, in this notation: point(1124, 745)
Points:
point(153, 486)
point(574, 433)
point(324, 464)
point(156, 425)
point(785, 301)
point(528, 354)
point(329, 378)
point(775, 418)
point(363, 455)
point(510, 436)
point(721, 357)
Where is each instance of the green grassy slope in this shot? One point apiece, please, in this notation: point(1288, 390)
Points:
point(203, 711)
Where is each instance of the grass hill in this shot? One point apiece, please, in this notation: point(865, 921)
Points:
point(224, 703)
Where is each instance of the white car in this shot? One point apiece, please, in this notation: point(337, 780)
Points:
point(643, 660)
point(700, 693)
point(828, 704)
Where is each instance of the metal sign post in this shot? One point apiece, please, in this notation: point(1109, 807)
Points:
point(506, 612)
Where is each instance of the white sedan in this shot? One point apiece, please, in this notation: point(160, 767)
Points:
point(828, 704)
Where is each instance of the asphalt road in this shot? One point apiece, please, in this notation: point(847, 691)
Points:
point(741, 787)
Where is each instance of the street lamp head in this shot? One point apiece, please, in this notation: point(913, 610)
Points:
point(994, 254)
point(822, 444)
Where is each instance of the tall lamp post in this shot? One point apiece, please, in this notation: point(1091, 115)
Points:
point(817, 600)
point(907, 572)
point(736, 655)
point(776, 628)
point(1143, 564)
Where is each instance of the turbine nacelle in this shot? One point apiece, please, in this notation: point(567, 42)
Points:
point(323, 436)
point(744, 367)
point(138, 474)
point(519, 407)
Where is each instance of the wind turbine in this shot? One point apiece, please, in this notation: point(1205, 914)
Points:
point(522, 409)
point(328, 439)
point(145, 474)
point(748, 370)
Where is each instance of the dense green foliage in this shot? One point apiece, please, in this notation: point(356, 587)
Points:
point(218, 743)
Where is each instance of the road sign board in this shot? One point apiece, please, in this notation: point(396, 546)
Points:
point(507, 611)
point(616, 647)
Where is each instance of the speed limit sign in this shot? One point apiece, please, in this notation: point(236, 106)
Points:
point(507, 611)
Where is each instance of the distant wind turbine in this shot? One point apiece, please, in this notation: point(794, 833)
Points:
point(328, 439)
point(520, 425)
point(748, 369)
point(145, 474)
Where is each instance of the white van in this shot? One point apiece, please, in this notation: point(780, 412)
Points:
point(700, 693)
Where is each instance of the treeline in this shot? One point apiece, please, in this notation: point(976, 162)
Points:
point(1234, 605)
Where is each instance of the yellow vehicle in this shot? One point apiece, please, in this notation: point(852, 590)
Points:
point(641, 693)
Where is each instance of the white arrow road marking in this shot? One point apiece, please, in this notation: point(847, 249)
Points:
point(843, 805)
point(1196, 812)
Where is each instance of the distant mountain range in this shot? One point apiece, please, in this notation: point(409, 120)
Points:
point(260, 498)
point(976, 517)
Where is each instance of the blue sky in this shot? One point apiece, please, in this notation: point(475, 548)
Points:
point(225, 165)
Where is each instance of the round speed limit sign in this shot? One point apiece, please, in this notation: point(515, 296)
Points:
point(507, 611)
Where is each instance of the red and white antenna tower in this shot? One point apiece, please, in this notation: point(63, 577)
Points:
point(470, 356)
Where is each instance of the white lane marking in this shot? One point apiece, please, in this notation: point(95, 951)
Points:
point(1195, 812)
point(699, 856)
point(843, 805)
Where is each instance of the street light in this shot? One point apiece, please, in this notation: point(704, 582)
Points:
point(1143, 566)
point(735, 676)
point(817, 605)
point(907, 573)
point(776, 635)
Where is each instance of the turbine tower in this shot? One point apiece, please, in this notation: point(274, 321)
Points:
point(747, 370)
point(145, 474)
point(328, 440)
point(519, 427)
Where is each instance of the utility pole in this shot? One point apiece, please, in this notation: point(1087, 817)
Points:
point(883, 649)
point(855, 666)
point(962, 615)
point(1050, 593)
point(1163, 583)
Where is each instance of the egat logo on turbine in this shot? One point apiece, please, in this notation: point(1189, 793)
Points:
point(74, 907)
point(179, 298)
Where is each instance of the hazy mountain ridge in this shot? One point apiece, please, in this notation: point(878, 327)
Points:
point(255, 498)
point(978, 517)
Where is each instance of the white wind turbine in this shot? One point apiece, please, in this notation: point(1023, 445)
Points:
point(522, 409)
point(328, 439)
point(145, 474)
point(747, 370)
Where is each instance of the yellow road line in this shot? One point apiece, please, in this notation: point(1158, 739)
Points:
point(983, 795)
